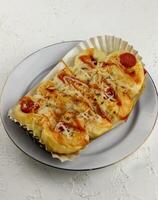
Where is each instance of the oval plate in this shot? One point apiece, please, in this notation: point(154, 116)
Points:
point(107, 149)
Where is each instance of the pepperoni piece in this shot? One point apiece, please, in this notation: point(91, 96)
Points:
point(127, 60)
point(27, 105)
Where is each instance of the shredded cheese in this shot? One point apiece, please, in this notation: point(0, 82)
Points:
point(73, 79)
point(90, 115)
point(67, 132)
point(108, 96)
point(38, 96)
point(82, 72)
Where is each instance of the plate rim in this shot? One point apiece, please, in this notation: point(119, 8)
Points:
point(57, 167)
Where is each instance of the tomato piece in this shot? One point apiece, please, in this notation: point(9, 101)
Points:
point(27, 105)
point(127, 60)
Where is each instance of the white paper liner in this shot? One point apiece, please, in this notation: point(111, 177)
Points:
point(105, 43)
point(64, 158)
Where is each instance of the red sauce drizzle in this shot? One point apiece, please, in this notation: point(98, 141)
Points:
point(50, 89)
point(61, 76)
point(72, 80)
point(106, 64)
point(101, 113)
point(76, 125)
point(89, 60)
point(132, 74)
point(27, 105)
point(110, 91)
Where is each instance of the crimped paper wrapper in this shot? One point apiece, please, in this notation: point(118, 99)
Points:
point(105, 43)
point(64, 158)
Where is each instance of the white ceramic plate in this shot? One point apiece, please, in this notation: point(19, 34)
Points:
point(107, 149)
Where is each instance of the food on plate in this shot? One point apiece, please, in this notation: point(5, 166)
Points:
point(81, 102)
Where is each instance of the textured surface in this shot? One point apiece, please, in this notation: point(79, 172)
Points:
point(26, 26)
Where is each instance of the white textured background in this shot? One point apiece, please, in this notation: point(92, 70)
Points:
point(27, 25)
